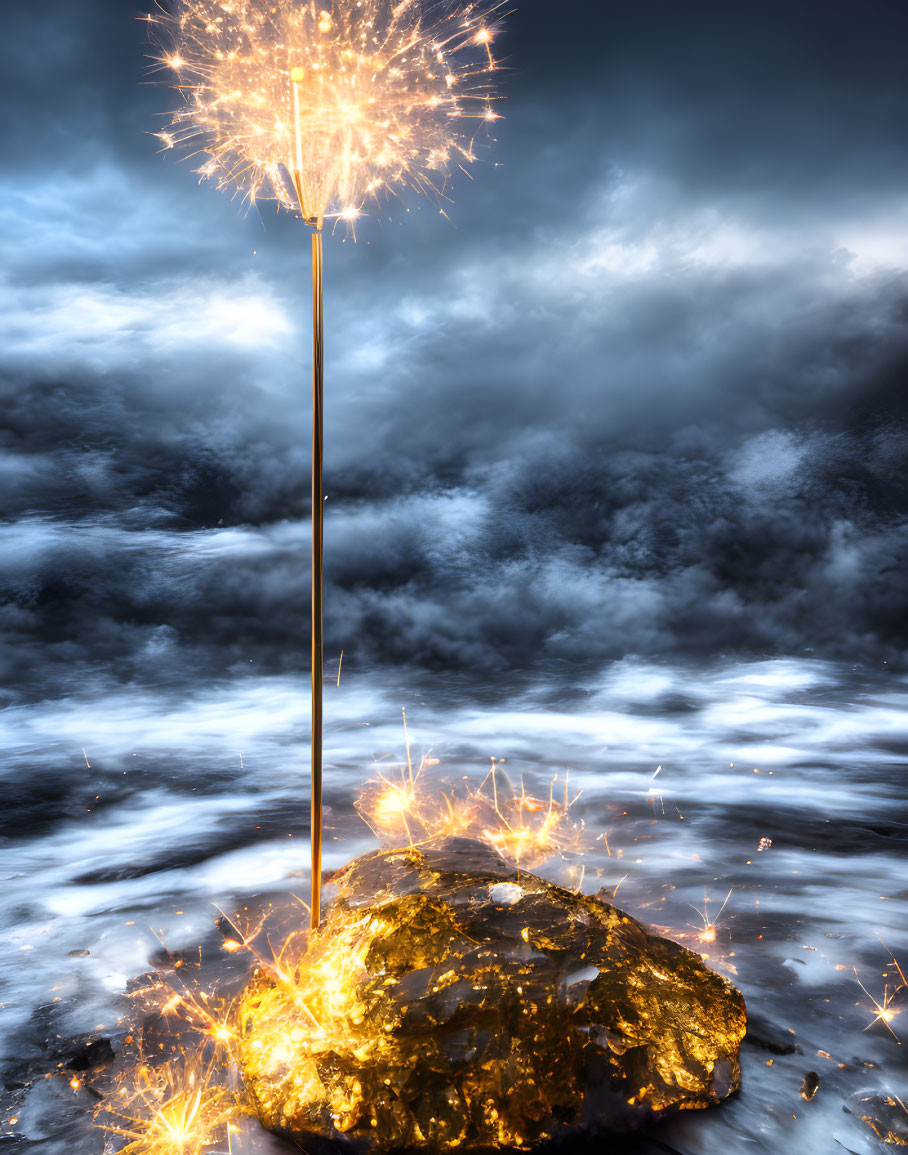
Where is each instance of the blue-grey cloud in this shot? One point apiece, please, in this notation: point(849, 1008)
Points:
point(646, 398)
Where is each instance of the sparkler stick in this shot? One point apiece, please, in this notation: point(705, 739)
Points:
point(322, 108)
point(318, 512)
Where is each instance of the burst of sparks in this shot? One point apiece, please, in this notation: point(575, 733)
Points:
point(710, 928)
point(883, 1010)
point(521, 827)
point(324, 107)
point(176, 1108)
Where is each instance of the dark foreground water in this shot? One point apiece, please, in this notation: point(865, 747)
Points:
point(131, 813)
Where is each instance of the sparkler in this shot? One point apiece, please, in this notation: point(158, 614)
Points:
point(323, 109)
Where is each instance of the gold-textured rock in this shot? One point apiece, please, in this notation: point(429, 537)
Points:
point(450, 1001)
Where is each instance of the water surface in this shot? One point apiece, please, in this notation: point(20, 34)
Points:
point(129, 813)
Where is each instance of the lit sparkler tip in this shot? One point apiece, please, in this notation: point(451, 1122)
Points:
point(347, 99)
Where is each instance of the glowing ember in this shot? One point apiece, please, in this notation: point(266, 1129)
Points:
point(323, 108)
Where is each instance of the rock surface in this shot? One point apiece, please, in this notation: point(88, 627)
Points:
point(885, 1115)
point(451, 1001)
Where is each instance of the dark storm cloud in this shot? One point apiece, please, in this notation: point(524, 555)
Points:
point(646, 398)
point(793, 99)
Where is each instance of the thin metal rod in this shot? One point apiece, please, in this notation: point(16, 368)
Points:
point(318, 503)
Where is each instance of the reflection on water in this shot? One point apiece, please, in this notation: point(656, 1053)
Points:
point(131, 813)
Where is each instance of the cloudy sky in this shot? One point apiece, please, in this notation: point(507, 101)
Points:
point(645, 397)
